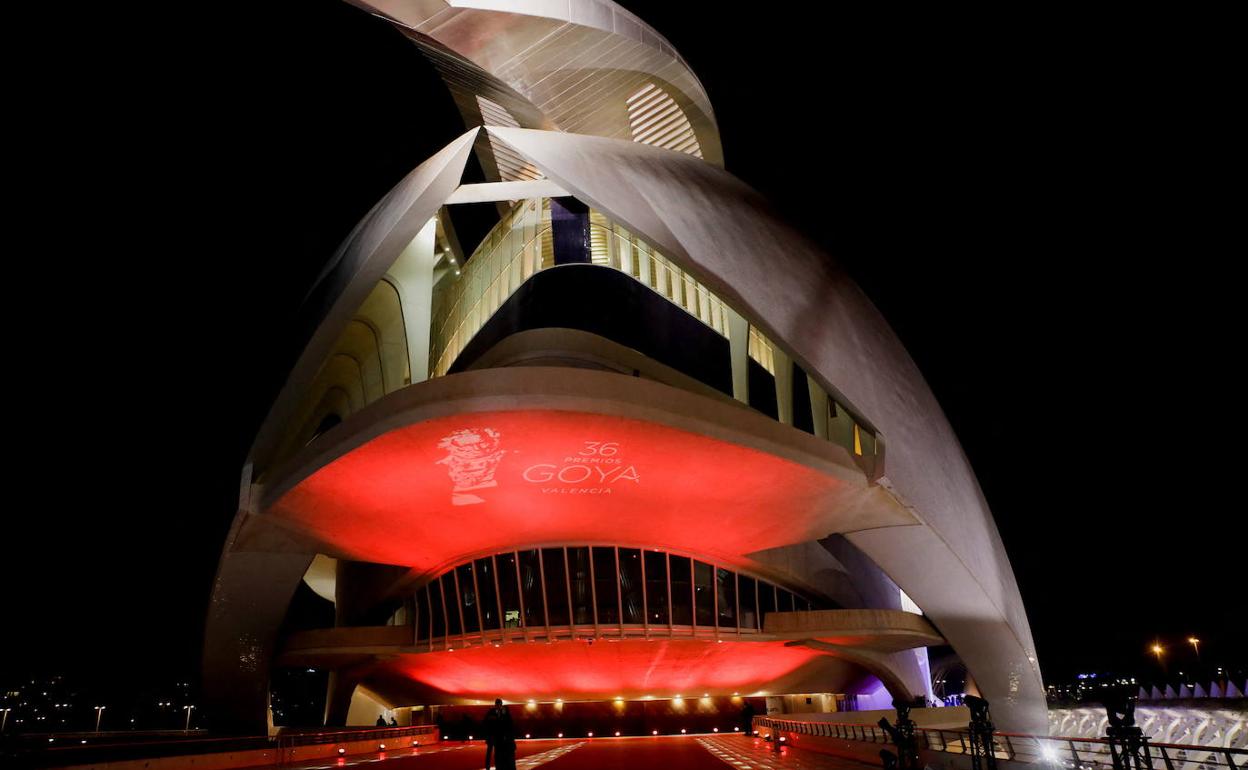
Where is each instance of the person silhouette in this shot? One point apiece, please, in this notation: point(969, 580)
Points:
point(394, 722)
point(489, 727)
point(504, 739)
point(381, 720)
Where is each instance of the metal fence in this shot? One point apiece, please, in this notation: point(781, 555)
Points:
point(1073, 753)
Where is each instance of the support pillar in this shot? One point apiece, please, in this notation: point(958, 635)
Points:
point(249, 602)
point(338, 697)
point(412, 275)
point(784, 385)
point(739, 349)
point(818, 407)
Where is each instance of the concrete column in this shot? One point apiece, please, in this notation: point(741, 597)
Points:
point(739, 348)
point(775, 705)
point(818, 407)
point(249, 602)
point(784, 385)
point(412, 275)
point(338, 698)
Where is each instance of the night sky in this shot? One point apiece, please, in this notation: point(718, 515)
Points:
point(1038, 205)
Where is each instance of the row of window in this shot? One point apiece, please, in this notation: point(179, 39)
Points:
point(595, 586)
point(521, 245)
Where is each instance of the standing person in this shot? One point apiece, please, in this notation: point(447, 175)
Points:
point(381, 720)
point(504, 739)
point(489, 726)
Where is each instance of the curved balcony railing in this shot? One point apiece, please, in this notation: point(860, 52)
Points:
point(1051, 751)
point(520, 245)
point(566, 592)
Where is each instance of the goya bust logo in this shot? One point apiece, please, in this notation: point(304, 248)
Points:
point(596, 469)
point(472, 458)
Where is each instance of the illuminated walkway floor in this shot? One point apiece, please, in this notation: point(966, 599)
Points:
point(720, 752)
point(757, 754)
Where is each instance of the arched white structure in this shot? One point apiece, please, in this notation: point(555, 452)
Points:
point(943, 550)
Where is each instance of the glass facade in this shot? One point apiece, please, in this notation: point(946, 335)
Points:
point(629, 591)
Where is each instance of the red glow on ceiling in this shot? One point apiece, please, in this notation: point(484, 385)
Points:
point(631, 669)
point(428, 494)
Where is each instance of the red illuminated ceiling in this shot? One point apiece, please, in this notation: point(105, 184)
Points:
point(429, 494)
point(630, 669)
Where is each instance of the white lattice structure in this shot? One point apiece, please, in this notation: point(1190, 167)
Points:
point(1213, 727)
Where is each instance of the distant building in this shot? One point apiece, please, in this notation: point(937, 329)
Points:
point(645, 440)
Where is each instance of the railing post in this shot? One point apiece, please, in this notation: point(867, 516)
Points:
point(1165, 757)
point(1074, 755)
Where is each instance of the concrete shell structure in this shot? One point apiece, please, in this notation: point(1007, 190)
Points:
point(644, 412)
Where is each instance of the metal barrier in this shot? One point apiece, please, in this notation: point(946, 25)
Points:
point(1073, 753)
point(389, 737)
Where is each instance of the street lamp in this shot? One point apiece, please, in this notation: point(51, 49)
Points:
point(99, 712)
point(1195, 645)
point(188, 718)
point(1158, 650)
point(5, 720)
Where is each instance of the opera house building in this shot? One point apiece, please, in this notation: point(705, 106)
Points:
point(642, 443)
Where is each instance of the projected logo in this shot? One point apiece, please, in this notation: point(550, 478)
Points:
point(596, 469)
point(472, 457)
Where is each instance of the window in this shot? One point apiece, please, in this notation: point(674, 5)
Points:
point(453, 614)
point(531, 589)
point(656, 587)
point(631, 589)
point(726, 590)
point(468, 598)
point(766, 600)
point(488, 594)
point(438, 609)
point(508, 590)
point(582, 591)
point(556, 586)
point(606, 587)
point(703, 594)
point(747, 587)
point(682, 591)
point(422, 614)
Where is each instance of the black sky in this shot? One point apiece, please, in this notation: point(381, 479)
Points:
point(1042, 206)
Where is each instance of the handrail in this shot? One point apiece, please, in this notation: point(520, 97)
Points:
point(1063, 751)
point(364, 734)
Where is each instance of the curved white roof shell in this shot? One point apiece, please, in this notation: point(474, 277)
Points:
point(568, 65)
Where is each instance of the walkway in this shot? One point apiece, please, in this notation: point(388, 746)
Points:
point(719, 752)
point(757, 754)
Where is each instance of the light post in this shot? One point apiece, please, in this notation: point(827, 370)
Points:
point(5, 720)
point(188, 718)
point(1195, 646)
point(1157, 650)
point(99, 712)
